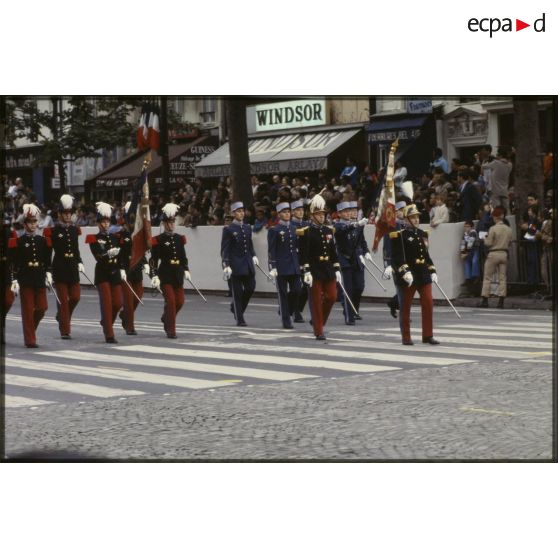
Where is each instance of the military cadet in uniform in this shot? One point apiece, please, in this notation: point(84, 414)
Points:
point(349, 252)
point(134, 276)
point(239, 261)
point(394, 303)
point(284, 265)
point(8, 291)
point(29, 257)
point(297, 219)
point(169, 268)
point(66, 264)
point(320, 265)
point(108, 270)
point(362, 251)
point(414, 271)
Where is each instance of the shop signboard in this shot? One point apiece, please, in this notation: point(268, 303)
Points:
point(286, 115)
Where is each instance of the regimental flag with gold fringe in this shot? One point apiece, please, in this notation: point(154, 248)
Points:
point(139, 216)
point(385, 221)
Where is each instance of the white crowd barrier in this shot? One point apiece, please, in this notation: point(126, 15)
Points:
point(204, 245)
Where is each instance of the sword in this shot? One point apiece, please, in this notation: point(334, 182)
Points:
point(234, 301)
point(133, 292)
point(53, 291)
point(449, 301)
point(191, 283)
point(278, 298)
point(376, 266)
point(268, 276)
point(88, 279)
point(347, 298)
point(375, 278)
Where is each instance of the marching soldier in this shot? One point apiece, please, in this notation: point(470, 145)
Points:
point(414, 270)
point(297, 219)
point(30, 256)
point(283, 262)
point(108, 270)
point(134, 276)
point(320, 265)
point(363, 252)
point(8, 291)
point(66, 264)
point(349, 252)
point(169, 268)
point(239, 261)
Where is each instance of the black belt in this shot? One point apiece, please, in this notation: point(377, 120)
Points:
point(498, 250)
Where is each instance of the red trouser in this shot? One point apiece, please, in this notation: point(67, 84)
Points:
point(324, 295)
point(130, 303)
point(110, 298)
point(69, 295)
point(174, 299)
point(33, 307)
point(8, 301)
point(426, 304)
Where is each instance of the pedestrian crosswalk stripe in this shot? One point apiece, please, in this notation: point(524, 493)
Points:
point(462, 340)
point(201, 367)
point(259, 358)
point(69, 387)
point(501, 327)
point(17, 401)
point(323, 351)
point(541, 323)
point(438, 349)
point(119, 374)
point(463, 331)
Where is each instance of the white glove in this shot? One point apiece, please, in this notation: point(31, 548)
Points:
point(368, 256)
point(388, 272)
point(187, 275)
point(361, 258)
point(362, 222)
point(227, 272)
point(15, 287)
point(273, 273)
point(255, 260)
point(49, 278)
point(408, 278)
point(122, 275)
point(81, 268)
point(146, 269)
point(308, 278)
point(434, 278)
point(338, 277)
point(155, 282)
point(113, 252)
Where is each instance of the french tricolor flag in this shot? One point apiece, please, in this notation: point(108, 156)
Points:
point(148, 128)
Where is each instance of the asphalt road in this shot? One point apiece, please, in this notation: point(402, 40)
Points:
point(221, 392)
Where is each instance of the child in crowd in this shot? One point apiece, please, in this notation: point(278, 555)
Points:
point(469, 251)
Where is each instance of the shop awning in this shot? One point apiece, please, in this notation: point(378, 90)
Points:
point(182, 159)
point(300, 152)
point(386, 130)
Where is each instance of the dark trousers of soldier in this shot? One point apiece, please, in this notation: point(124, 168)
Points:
point(300, 303)
point(426, 305)
point(33, 307)
point(174, 300)
point(353, 281)
point(243, 288)
point(289, 288)
point(9, 298)
point(69, 295)
point(130, 303)
point(324, 295)
point(110, 298)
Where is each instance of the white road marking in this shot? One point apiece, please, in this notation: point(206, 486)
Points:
point(474, 332)
point(16, 401)
point(259, 358)
point(201, 367)
point(324, 351)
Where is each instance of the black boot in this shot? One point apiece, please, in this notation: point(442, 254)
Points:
point(483, 303)
point(500, 302)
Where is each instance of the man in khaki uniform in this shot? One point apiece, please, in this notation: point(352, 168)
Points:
point(497, 242)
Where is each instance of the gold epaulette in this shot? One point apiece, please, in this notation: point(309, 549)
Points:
point(300, 232)
point(394, 234)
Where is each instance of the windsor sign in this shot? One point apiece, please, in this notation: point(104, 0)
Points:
point(290, 114)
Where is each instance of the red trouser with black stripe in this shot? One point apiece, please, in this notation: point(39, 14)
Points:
point(33, 307)
point(323, 297)
point(174, 300)
point(69, 295)
point(426, 305)
point(130, 303)
point(110, 298)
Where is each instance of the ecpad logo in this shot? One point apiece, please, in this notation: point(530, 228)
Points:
point(494, 24)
